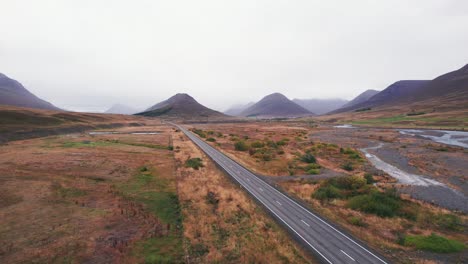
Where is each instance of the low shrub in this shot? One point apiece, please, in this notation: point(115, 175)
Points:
point(313, 171)
point(381, 204)
point(348, 166)
point(308, 158)
point(211, 139)
point(369, 178)
point(199, 132)
point(357, 221)
point(195, 163)
point(326, 193)
point(257, 144)
point(434, 243)
point(241, 146)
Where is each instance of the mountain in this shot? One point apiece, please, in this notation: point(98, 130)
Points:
point(361, 98)
point(13, 93)
point(181, 106)
point(320, 106)
point(235, 110)
point(396, 93)
point(121, 109)
point(275, 105)
point(452, 84)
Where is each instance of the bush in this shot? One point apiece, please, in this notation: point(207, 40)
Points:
point(312, 166)
point(211, 139)
point(326, 193)
point(241, 146)
point(381, 204)
point(349, 183)
point(257, 144)
point(281, 142)
point(267, 156)
point(448, 221)
point(369, 178)
point(357, 221)
point(347, 166)
point(194, 163)
point(313, 171)
point(272, 144)
point(434, 243)
point(199, 132)
point(308, 158)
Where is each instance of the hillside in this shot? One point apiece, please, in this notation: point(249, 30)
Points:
point(275, 105)
point(396, 93)
point(450, 89)
point(181, 106)
point(13, 93)
point(320, 106)
point(121, 109)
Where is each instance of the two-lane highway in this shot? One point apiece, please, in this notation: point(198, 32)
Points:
point(324, 240)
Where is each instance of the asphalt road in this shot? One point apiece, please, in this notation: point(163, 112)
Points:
point(324, 240)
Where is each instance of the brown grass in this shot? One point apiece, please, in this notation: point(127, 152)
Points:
point(60, 202)
point(220, 217)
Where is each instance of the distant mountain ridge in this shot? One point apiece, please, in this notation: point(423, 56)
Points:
point(275, 105)
point(13, 93)
point(121, 109)
point(320, 106)
point(181, 105)
point(235, 110)
point(361, 98)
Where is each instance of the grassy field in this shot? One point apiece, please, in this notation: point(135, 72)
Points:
point(221, 223)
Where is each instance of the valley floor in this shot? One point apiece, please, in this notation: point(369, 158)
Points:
point(328, 168)
point(128, 197)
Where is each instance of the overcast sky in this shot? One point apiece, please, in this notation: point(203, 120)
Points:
point(91, 54)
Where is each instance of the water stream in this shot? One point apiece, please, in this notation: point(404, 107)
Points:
point(455, 138)
point(402, 176)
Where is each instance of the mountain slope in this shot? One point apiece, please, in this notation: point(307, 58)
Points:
point(452, 83)
point(121, 109)
point(320, 106)
point(181, 106)
point(396, 93)
point(235, 110)
point(275, 105)
point(361, 98)
point(13, 93)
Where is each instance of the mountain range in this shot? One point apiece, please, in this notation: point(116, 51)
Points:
point(444, 93)
point(320, 106)
point(121, 109)
point(13, 93)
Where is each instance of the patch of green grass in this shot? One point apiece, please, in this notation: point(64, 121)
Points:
point(158, 196)
point(86, 143)
point(313, 171)
point(195, 163)
point(434, 243)
point(160, 250)
point(65, 192)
